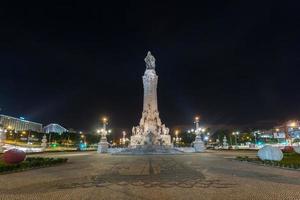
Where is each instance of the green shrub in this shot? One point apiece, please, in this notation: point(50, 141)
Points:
point(31, 162)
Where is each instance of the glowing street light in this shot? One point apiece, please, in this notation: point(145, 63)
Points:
point(103, 144)
point(124, 137)
point(176, 133)
point(176, 136)
point(236, 135)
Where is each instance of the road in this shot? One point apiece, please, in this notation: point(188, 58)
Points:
point(210, 175)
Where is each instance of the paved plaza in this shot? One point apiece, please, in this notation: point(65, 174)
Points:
point(210, 175)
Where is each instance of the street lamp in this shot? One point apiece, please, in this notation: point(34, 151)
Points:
point(236, 135)
point(176, 136)
point(198, 143)
point(124, 135)
point(103, 144)
point(197, 125)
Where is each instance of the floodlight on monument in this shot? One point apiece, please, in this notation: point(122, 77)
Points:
point(203, 129)
point(192, 130)
point(109, 131)
point(98, 131)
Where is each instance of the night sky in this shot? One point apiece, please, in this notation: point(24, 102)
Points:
point(233, 63)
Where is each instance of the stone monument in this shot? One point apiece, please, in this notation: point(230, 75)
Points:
point(296, 149)
point(150, 131)
point(270, 153)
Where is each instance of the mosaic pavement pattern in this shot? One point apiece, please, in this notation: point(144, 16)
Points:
point(212, 175)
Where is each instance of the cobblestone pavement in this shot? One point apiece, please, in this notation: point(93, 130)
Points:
point(210, 175)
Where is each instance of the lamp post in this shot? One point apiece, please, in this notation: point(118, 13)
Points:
point(103, 144)
point(28, 137)
point(236, 135)
point(176, 137)
point(124, 137)
point(255, 139)
point(197, 124)
point(198, 143)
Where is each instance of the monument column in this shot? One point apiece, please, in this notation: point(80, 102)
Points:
point(150, 80)
point(150, 131)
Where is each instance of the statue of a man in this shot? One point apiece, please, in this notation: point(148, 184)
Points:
point(150, 61)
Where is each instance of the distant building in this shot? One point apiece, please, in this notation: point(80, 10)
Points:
point(292, 128)
point(54, 128)
point(19, 124)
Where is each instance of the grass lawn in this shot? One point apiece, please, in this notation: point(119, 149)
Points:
point(290, 160)
point(30, 163)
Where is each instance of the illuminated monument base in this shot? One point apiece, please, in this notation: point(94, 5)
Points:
point(199, 144)
point(102, 145)
point(151, 131)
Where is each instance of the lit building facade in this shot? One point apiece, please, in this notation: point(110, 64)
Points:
point(54, 128)
point(19, 124)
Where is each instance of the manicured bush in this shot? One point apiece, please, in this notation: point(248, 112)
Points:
point(14, 156)
point(288, 149)
point(31, 162)
point(290, 160)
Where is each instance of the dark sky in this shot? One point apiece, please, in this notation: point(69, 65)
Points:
point(232, 62)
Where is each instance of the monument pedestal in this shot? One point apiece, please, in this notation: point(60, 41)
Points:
point(199, 144)
point(102, 146)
